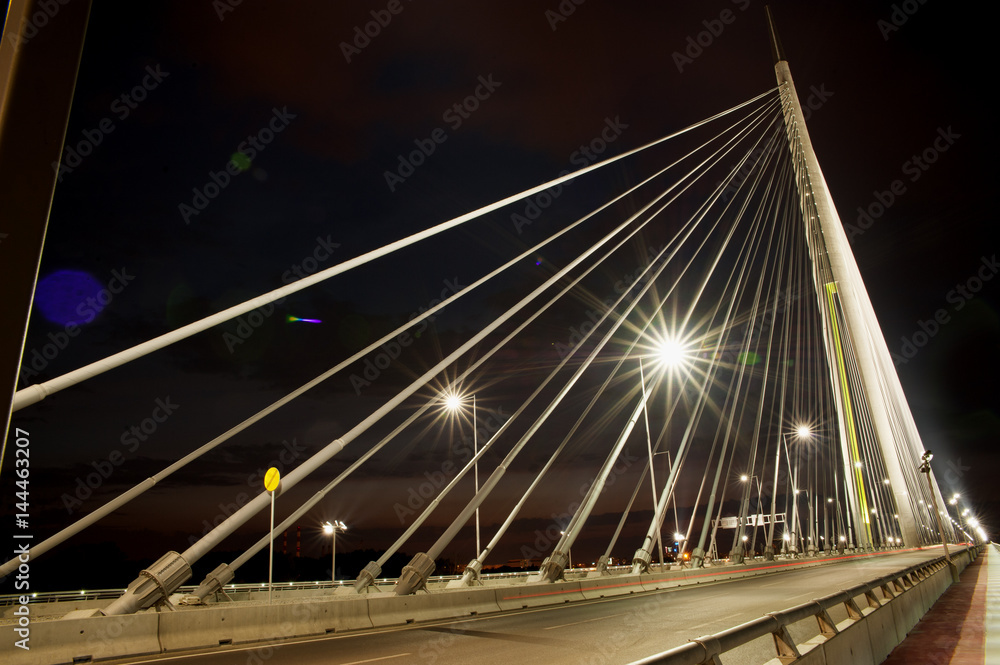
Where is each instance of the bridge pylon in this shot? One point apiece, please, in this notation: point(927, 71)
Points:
point(850, 326)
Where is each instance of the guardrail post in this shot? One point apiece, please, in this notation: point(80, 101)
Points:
point(785, 645)
point(827, 628)
point(853, 611)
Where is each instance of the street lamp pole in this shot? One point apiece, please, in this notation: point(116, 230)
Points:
point(475, 469)
point(454, 403)
point(925, 468)
point(811, 545)
point(749, 490)
point(569, 552)
point(332, 529)
point(649, 450)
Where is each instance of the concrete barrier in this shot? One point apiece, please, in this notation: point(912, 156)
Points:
point(391, 610)
point(538, 595)
point(204, 627)
point(94, 638)
point(851, 645)
point(606, 587)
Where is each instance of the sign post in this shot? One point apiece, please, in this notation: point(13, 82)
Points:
point(271, 480)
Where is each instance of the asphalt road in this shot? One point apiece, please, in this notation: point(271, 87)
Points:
point(610, 630)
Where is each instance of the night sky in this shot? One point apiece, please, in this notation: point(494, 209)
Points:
point(161, 214)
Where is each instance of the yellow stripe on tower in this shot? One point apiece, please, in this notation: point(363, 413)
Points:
point(852, 435)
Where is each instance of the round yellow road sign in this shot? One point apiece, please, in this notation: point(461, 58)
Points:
point(271, 479)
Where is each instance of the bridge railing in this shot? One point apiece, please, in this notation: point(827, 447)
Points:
point(707, 649)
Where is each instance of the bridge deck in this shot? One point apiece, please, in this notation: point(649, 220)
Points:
point(609, 630)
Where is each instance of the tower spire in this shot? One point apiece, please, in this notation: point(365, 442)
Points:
point(776, 51)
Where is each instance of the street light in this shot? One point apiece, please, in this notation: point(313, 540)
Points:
point(802, 432)
point(747, 478)
point(331, 529)
point(671, 352)
point(454, 404)
point(925, 468)
point(569, 552)
point(810, 547)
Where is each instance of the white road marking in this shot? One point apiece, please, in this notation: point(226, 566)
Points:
point(576, 623)
point(375, 660)
point(731, 616)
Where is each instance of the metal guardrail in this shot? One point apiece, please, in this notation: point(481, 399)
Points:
point(707, 649)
